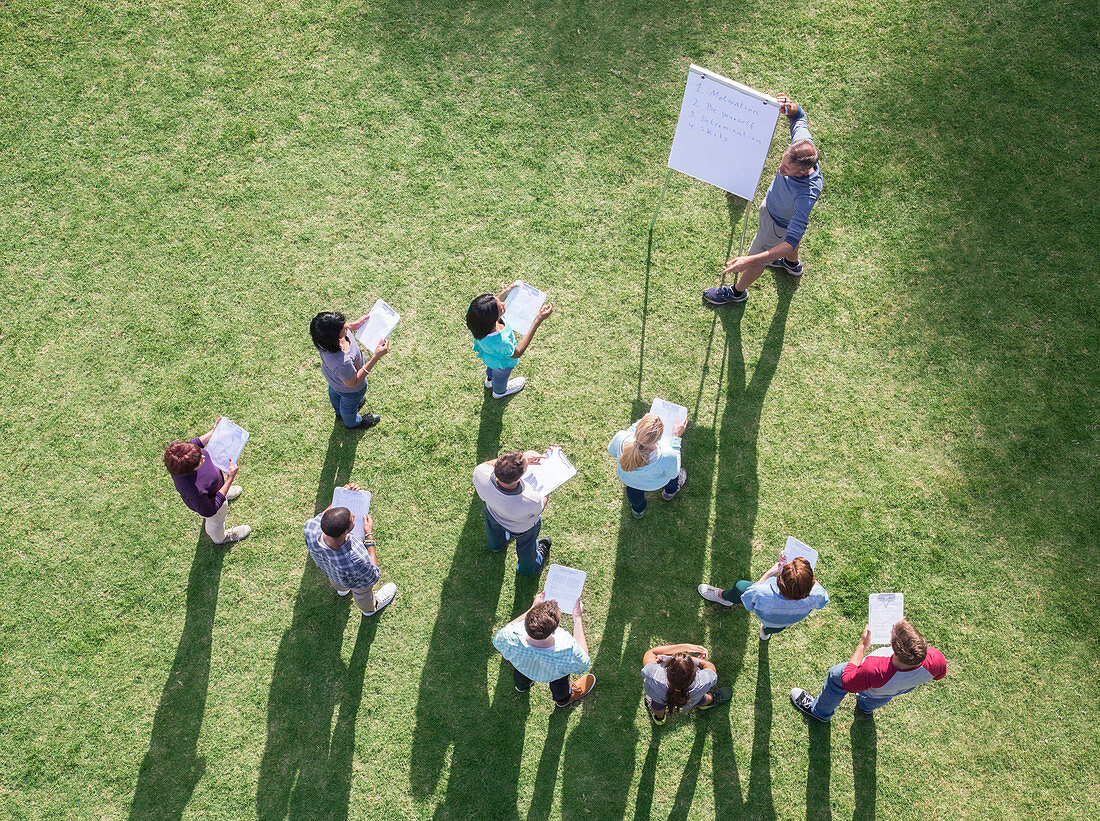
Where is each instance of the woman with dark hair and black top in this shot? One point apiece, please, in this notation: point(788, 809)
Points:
point(342, 363)
point(679, 677)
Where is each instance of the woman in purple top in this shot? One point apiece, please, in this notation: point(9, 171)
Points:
point(342, 363)
point(203, 488)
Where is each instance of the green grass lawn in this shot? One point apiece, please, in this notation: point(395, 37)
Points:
point(185, 184)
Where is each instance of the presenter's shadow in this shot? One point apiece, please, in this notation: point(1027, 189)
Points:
point(172, 767)
point(864, 767)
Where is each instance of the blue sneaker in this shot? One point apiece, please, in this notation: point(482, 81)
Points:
point(784, 266)
point(723, 295)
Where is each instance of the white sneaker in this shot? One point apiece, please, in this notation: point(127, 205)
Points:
point(683, 477)
point(383, 597)
point(342, 592)
point(488, 383)
point(235, 534)
point(233, 493)
point(514, 386)
point(714, 594)
point(763, 636)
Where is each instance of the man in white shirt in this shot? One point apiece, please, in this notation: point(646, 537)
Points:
point(513, 509)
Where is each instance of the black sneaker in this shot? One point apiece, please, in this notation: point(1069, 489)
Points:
point(358, 407)
point(786, 267)
point(369, 420)
point(804, 703)
point(723, 295)
point(544, 549)
point(720, 696)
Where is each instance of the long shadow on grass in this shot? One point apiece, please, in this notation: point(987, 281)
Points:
point(864, 767)
point(171, 767)
point(760, 774)
point(819, 771)
point(454, 711)
point(657, 561)
point(307, 762)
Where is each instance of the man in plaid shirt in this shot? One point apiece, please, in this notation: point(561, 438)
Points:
point(350, 565)
point(540, 650)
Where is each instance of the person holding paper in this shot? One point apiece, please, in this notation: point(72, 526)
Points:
point(203, 487)
point(342, 363)
point(540, 650)
point(784, 213)
point(785, 595)
point(495, 342)
point(513, 509)
point(645, 462)
point(679, 677)
point(876, 678)
point(350, 565)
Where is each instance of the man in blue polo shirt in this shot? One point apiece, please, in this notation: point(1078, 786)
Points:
point(784, 214)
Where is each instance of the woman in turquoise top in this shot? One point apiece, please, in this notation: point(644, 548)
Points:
point(495, 342)
point(648, 463)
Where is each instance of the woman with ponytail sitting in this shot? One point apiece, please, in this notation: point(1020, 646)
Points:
point(648, 463)
point(679, 677)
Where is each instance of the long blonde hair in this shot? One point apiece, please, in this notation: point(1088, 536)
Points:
point(636, 451)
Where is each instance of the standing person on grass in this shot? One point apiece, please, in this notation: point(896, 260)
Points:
point(344, 366)
point(679, 677)
point(540, 650)
point(350, 565)
point(495, 341)
point(875, 679)
point(203, 487)
point(785, 595)
point(645, 462)
point(513, 509)
point(784, 213)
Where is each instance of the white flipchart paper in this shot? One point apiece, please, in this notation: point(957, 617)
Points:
point(564, 585)
point(670, 414)
point(521, 306)
point(551, 473)
point(884, 610)
point(227, 443)
point(357, 501)
point(383, 319)
point(723, 133)
point(794, 548)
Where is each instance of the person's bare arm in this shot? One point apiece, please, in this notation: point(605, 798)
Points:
point(861, 648)
point(543, 313)
point(230, 475)
point(504, 294)
point(578, 625)
point(205, 438)
point(361, 374)
point(368, 536)
point(673, 649)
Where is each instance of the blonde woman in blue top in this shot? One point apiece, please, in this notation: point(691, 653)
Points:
point(647, 463)
point(495, 341)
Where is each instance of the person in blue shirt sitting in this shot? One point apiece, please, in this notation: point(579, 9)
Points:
point(785, 595)
point(645, 462)
point(495, 341)
point(784, 213)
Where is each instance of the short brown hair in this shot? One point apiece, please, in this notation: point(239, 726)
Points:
point(803, 153)
point(796, 579)
point(908, 644)
point(510, 466)
point(542, 619)
point(182, 458)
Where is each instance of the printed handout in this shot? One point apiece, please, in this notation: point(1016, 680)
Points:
point(383, 319)
point(227, 443)
point(884, 610)
point(564, 585)
point(551, 473)
point(670, 414)
point(521, 306)
point(794, 548)
point(357, 501)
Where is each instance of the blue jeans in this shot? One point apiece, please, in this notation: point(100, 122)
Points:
point(499, 377)
point(346, 405)
point(833, 693)
point(637, 497)
point(529, 560)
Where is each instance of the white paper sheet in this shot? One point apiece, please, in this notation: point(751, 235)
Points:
point(564, 585)
point(383, 319)
point(884, 610)
point(521, 306)
point(670, 414)
point(226, 443)
point(551, 473)
point(357, 501)
point(794, 548)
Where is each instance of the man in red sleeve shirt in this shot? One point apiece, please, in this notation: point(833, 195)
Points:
point(887, 672)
